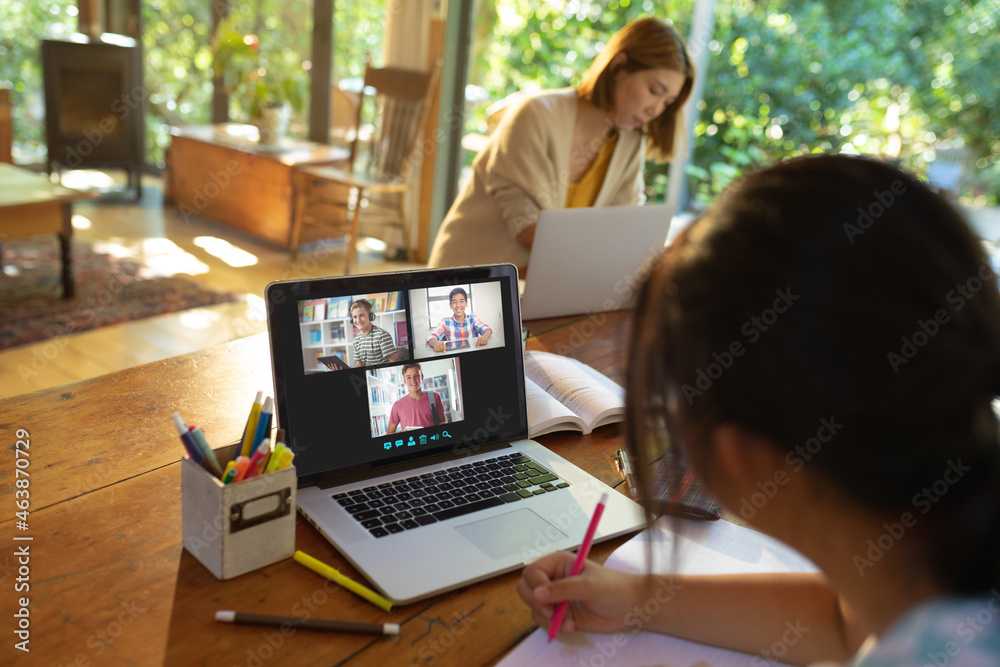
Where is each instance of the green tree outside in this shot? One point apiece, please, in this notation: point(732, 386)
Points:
point(178, 57)
point(897, 78)
point(894, 78)
point(22, 27)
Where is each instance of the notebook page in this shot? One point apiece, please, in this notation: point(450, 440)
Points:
point(714, 547)
point(641, 649)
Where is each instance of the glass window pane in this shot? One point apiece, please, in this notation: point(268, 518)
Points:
point(177, 69)
point(267, 60)
point(22, 26)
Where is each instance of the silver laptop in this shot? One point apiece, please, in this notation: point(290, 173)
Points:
point(423, 477)
point(592, 260)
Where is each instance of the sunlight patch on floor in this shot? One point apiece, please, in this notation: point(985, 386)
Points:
point(256, 310)
point(226, 251)
point(199, 318)
point(242, 318)
point(372, 244)
point(86, 179)
point(81, 222)
point(157, 257)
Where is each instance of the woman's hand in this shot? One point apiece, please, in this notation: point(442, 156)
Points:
point(600, 599)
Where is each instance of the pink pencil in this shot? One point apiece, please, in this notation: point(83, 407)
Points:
point(577, 568)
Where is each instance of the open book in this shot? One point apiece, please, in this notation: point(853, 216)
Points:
point(564, 394)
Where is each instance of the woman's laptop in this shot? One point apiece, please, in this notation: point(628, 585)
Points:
point(422, 506)
point(592, 260)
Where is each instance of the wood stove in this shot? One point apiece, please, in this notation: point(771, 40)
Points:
point(94, 104)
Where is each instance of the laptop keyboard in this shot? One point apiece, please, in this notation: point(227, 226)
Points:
point(405, 504)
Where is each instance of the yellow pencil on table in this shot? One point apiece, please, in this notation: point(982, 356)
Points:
point(322, 569)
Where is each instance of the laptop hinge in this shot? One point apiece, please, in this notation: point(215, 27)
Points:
point(447, 457)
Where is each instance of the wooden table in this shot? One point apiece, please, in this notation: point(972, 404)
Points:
point(221, 173)
point(110, 583)
point(31, 204)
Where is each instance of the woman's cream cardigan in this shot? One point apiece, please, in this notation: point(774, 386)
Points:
point(524, 169)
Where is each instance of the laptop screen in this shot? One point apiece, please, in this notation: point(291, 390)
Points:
point(381, 369)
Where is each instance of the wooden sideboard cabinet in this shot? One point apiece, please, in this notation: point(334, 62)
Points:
point(221, 173)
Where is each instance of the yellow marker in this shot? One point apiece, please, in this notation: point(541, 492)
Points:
point(285, 460)
point(336, 577)
point(251, 428)
point(272, 463)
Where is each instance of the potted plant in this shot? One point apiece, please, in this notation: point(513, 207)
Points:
point(267, 88)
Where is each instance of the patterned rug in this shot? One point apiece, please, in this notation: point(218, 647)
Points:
point(109, 290)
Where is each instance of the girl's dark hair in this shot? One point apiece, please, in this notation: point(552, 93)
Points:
point(838, 307)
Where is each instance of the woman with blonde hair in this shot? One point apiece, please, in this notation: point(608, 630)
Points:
point(573, 147)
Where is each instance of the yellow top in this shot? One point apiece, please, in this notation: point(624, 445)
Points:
point(583, 193)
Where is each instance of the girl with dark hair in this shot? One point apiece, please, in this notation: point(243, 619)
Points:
point(861, 319)
point(574, 147)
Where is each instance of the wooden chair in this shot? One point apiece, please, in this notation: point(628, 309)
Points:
point(343, 117)
point(333, 199)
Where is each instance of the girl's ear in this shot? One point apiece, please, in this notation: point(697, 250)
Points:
point(618, 61)
point(745, 460)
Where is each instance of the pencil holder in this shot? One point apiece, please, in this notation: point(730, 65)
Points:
point(238, 527)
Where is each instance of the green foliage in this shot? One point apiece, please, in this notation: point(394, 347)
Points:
point(357, 32)
point(257, 77)
point(177, 70)
point(178, 67)
point(262, 49)
point(22, 26)
point(234, 55)
point(889, 77)
point(793, 77)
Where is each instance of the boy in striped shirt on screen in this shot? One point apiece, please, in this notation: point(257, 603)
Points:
point(374, 344)
point(460, 326)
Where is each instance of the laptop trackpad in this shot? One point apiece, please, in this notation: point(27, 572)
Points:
point(521, 531)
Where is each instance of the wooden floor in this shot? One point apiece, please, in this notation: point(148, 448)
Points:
point(164, 242)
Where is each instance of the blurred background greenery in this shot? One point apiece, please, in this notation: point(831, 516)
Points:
point(899, 78)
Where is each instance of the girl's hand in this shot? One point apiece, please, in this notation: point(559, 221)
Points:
point(600, 599)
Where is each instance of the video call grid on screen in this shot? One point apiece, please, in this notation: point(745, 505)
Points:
point(341, 420)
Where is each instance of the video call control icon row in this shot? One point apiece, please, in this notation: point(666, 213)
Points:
point(412, 441)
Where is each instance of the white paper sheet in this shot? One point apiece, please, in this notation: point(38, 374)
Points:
point(715, 547)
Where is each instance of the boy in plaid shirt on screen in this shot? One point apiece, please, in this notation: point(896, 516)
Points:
point(460, 326)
